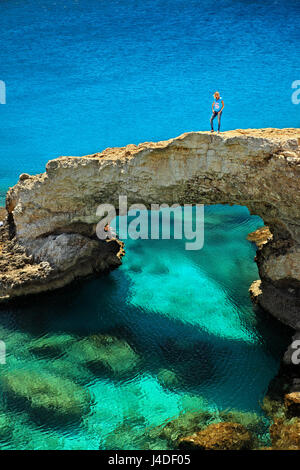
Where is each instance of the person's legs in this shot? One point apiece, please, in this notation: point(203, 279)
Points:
point(219, 121)
point(212, 119)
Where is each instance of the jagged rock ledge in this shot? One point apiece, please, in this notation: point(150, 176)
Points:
point(52, 262)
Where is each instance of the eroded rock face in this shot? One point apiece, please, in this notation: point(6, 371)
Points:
point(285, 435)
point(51, 262)
point(260, 237)
point(292, 403)
point(259, 169)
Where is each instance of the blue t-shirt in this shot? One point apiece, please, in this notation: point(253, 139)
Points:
point(218, 105)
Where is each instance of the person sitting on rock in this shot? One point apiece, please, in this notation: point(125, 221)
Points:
point(217, 108)
point(109, 232)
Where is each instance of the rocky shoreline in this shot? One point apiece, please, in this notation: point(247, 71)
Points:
point(69, 257)
point(48, 237)
point(56, 210)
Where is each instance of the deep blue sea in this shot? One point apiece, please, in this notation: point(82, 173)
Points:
point(170, 331)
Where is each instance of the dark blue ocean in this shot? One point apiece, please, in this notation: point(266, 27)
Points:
point(177, 329)
point(88, 74)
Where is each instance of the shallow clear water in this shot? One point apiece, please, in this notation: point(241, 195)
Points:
point(188, 339)
point(182, 334)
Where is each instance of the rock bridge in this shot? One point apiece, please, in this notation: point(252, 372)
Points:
point(49, 235)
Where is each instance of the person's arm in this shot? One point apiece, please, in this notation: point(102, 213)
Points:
point(212, 107)
point(222, 107)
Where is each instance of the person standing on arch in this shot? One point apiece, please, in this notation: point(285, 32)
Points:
point(217, 108)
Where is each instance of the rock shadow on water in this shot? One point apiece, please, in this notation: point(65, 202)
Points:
point(192, 362)
point(136, 268)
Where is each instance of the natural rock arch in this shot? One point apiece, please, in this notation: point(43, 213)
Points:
point(53, 214)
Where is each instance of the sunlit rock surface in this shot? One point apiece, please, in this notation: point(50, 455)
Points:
point(219, 436)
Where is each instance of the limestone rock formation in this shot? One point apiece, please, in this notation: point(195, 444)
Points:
point(292, 403)
point(192, 422)
point(2, 214)
point(219, 436)
point(51, 262)
point(52, 216)
point(285, 436)
point(260, 237)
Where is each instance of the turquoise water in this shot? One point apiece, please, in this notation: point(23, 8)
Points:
point(101, 363)
point(180, 335)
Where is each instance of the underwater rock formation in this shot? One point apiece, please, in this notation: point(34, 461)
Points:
point(167, 378)
point(46, 393)
point(107, 352)
point(50, 345)
point(6, 427)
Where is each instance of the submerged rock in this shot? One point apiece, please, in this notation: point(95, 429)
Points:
point(131, 434)
point(253, 422)
point(74, 370)
point(46, 392)
point(194, 403)
point(113, 354)
point(51, 344)
point(181, 426)
point(167, 378)
point(219, 436)
point(6, 426)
